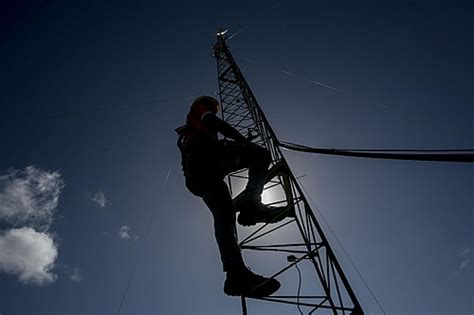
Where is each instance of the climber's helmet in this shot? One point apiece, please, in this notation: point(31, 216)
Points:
point(209, 102)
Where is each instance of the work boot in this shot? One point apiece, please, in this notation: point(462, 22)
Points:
point(253, 211)
point(243, 282)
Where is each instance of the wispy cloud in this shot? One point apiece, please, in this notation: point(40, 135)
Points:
point(166, 178)
point(238, 32)
point(28, 202)
point(30, 197)
point(99, 199)
point(287, 72)
point(123, 232)
point(464, 264)
point(75, 275)
point(309, 80)
point(463, 261)
point(324, 85)
point(29, 255)
point(464, 252)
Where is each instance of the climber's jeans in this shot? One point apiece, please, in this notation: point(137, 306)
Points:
point(205, 171)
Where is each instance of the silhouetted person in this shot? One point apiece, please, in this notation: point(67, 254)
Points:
point(206, 161)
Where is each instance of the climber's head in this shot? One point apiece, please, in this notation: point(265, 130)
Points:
point(209, 102)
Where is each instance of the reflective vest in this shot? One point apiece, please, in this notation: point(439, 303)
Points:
point(196, 131)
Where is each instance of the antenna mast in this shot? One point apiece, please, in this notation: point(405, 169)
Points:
point(308, 248)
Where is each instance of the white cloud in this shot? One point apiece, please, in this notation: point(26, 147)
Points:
point(29, 197)
point(76, 275)
point(29, 255)
point(123, 232)
point(99, 199)
point(28, 202)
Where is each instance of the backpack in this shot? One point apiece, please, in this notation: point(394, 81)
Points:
point(181, 131)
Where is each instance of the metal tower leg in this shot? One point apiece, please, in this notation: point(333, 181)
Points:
point(244, 305)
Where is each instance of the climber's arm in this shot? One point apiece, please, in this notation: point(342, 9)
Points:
point(214, 122)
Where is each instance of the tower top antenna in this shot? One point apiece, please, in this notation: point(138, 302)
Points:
point(221, 32)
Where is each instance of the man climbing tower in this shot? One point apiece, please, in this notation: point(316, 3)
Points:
point(206, 161)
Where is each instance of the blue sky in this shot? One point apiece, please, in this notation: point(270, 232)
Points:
point(92, 92)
